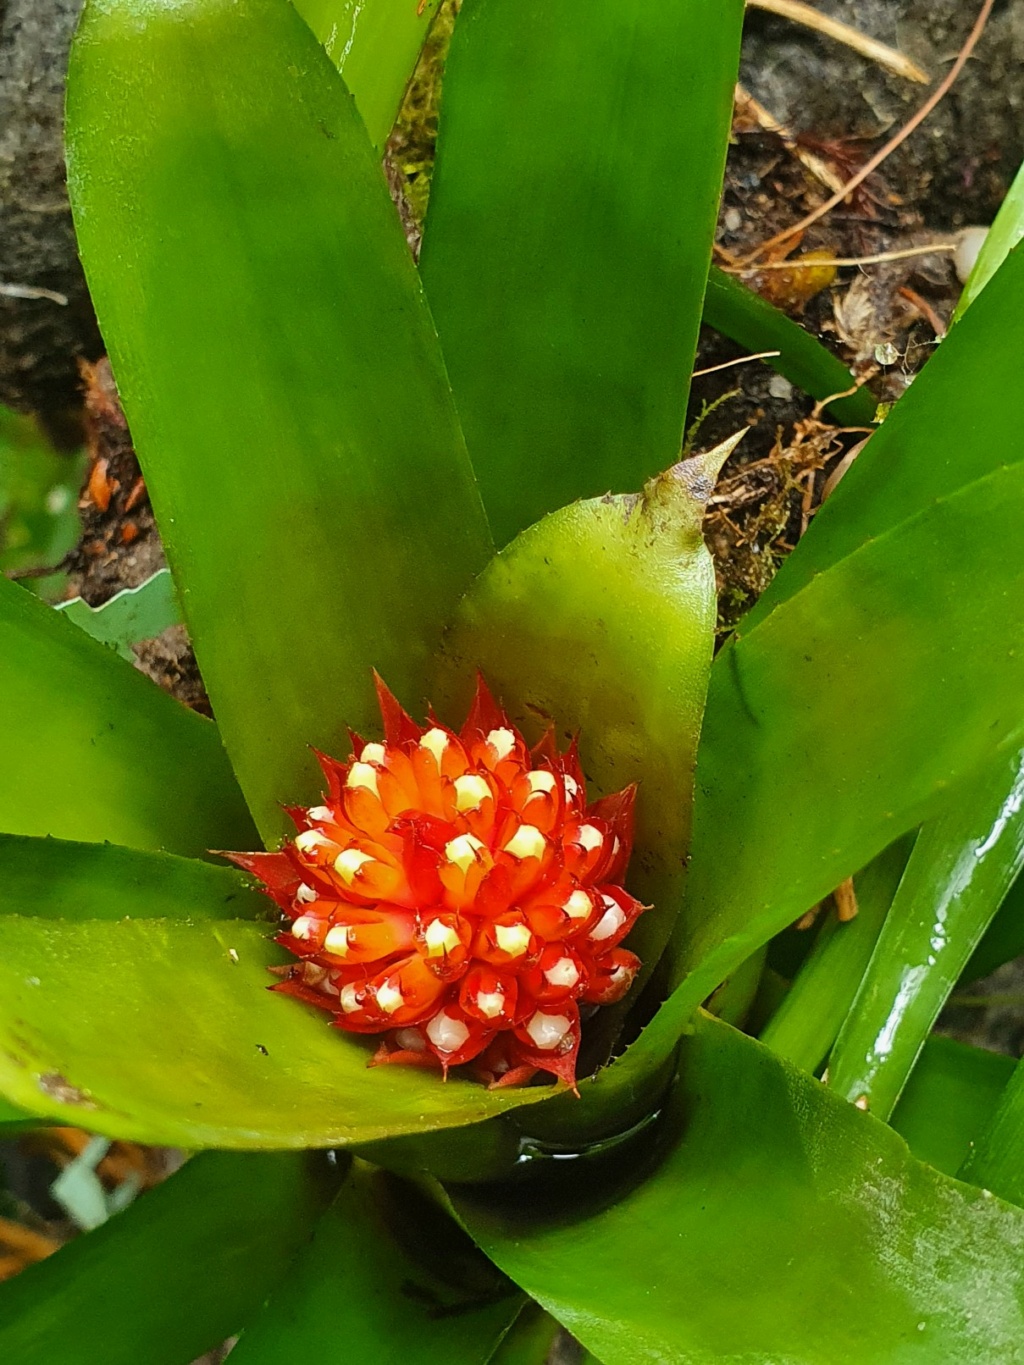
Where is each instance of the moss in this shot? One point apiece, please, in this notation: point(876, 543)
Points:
point(411, 145)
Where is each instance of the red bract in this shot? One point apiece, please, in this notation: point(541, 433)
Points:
point(457, 894)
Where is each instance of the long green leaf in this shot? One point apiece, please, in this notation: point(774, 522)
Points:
point(374, 44)
point(791, 797)
point(737, 312)
point(900, 623)
point(279, 370)
point(1004, 939)
point(14, 1120)
point(953, 425)
point(773, 1222)
point(566, 251)
point(57, 879)
point(601, 618)
point(996, 1161)
point(164, 1031)
point(963, 863)
point(1004, 235)
point(944, 447)
point(530, 1340)
point(949, 1100)
point(806, 1024)
point(173, 1275)
point(38, 495)
point(90, 749)
point(388, 1279)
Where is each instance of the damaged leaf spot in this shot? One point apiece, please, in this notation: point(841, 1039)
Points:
point(59, 1088)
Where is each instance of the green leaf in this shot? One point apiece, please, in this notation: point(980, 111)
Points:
point(38, 502)
point(949, 1100)
point(1003, 237)
point(90, 749)
point(770, 1222)
point(1004, 938)
point(903, 624)
point(164, 1032)
point(962, 865)
point(173, 1275)
point(953, 425)
point(131, 615)
point(14, 1120)
point(530, 1340)
point(279, 369)
point(933, 459)
point(737, 312)
point(601, 617)
point(996, 1162)
point(57, 879)
point(390, 1276)
point(374, 44)
point(572, 209)
point(806, 1024)
point(734, 999)
point(853, 584)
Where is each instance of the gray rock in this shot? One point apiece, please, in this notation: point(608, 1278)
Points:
point(40, 339)
point(956, 168)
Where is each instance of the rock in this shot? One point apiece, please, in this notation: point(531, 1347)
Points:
point(956, 168)
point(40, 338)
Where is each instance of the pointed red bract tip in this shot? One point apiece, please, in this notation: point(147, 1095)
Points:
point(484, 713)
point(458, 895)
point(399, 726)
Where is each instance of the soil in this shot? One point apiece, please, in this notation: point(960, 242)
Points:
point(120, 546)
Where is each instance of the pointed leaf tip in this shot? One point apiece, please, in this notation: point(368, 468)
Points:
point(701, 471)
point(674, 502)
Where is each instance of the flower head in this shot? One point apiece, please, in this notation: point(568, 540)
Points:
point(456, 894)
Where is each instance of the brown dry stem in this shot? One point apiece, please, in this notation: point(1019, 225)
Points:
point(806, 15)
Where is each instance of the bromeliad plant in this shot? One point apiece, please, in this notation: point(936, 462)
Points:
point(330, 440)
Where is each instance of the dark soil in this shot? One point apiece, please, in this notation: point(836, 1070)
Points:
point(120, 546)
point(883, 320)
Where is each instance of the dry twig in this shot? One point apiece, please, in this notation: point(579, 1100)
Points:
point(752, 108)
point(740, 360)
point(795, 263)
point(845, 898)
point(871, 48)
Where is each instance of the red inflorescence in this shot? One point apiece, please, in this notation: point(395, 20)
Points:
point(457, 894)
